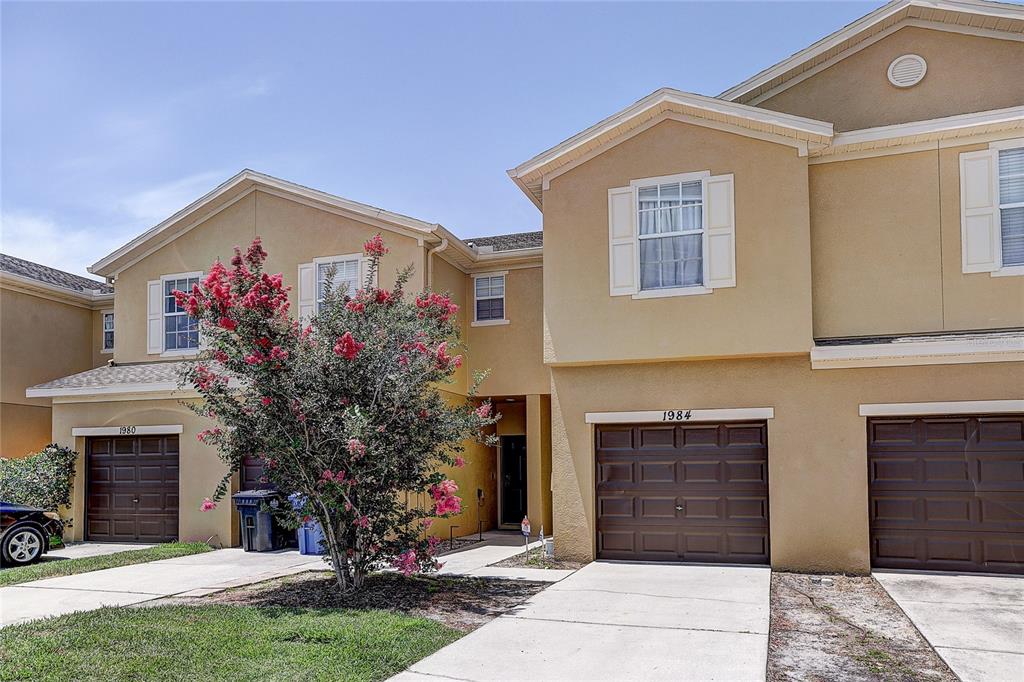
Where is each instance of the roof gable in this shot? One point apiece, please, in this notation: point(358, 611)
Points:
point(980, 17)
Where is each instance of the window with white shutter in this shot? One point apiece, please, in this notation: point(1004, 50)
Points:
point(169, 329)
point(672, 235)
point(992, 209)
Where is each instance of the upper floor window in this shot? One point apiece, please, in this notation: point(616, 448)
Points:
point(1011, 205)
point(108, 331)
point(346, 272)
point(181, 332)
point(489, 298)
point(670, 220)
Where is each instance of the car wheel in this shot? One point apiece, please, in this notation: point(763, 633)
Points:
point(22, 546)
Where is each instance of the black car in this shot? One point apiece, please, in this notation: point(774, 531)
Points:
point(25, 533)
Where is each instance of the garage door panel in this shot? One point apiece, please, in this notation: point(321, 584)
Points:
point(705, 499)
point(947, 493)
point(132, 489)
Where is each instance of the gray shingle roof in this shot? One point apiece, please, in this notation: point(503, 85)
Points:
point(52, 276)
point(510, 242)
point(114, 376)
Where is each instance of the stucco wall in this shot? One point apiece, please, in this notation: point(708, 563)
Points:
point(817, 441)
point(200, 468)
point(514, 352)
point(767, 312)
point(965, 74)
point(886, 250)
point(292, 233)
point(40, 340)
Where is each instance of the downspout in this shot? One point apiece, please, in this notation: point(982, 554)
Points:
point(430, 261)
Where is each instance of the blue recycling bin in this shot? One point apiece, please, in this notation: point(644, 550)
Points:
point(310, 533)
point(258, 530)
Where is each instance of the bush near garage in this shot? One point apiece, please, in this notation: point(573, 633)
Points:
point(40, 480)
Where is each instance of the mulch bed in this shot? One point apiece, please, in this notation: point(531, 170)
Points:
point(459, 602)
point(850, 629)
point(537, 561)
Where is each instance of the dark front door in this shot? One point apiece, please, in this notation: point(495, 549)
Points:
point(132, 489)
point(513, 479)
point(947, 493)
point(683, 492)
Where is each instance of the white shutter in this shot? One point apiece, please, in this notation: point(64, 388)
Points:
point(307, 291)
point(622, 256)
point(979, 215)
point(720, 228)
point(364, 268)
point(154, 317)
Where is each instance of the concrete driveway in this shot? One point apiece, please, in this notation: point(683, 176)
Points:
point(975, 622)
point(190, 575)
point(613, 621)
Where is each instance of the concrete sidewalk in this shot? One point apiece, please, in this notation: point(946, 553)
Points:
point(613, 621)
point(974, 622)
point(193, 575)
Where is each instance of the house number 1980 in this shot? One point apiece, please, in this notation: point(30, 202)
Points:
point(127, 430)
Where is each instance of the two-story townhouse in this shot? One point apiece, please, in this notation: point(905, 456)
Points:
point(143, 474)
point(782, 325)
point(52, 323)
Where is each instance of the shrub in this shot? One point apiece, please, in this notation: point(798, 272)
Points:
point(345, 411)
point(41, 480)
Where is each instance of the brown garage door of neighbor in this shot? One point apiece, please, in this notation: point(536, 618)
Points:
point(132, 489)
point(947, 493)
point(683, 492)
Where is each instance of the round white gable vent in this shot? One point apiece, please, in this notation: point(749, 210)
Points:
point(907, 70)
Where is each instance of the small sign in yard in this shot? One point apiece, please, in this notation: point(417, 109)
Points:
point(525, 528)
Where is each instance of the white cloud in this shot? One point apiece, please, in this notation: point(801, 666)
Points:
point(38, 238)
point(151, 206)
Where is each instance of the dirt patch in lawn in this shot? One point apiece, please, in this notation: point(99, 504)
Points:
point(459, 602)
point(844, 628)
point(536, 560)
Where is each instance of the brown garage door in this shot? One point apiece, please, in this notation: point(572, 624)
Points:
point(132, 488)
point(683, 492)
point(947, 493)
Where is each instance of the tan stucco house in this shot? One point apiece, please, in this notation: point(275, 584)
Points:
point(783, 325)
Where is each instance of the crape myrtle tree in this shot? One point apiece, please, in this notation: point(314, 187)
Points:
point(342, 409)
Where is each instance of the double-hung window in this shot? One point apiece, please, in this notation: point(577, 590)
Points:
point(346, 272)
point(108, 331)
point(670, 229)
point(489, 298)
point(181, 332)
point(1011, 205)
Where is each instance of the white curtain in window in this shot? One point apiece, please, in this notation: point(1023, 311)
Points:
point(671, 262)
point(1011, 205)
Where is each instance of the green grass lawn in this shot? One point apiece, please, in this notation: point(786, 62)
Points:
point(218, 642)
point(58, 567)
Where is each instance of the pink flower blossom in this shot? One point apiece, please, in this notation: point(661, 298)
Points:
point(207, 505)
point(356, 448)
point(459, 462)
point(227, 323)
point(484, 411)
point(363, 522)
point(375, 246)
point(406, 562)
point(266, 400)
point(347, 347)
point(327, 475)
point(356, 306)
point(427, 523)
point(445, 500)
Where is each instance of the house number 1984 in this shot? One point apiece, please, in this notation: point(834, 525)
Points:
point(676, 415)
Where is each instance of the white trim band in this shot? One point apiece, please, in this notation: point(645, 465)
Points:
point(1008, 347)
point(127, 430)
point(681, 415)
point(956, 407)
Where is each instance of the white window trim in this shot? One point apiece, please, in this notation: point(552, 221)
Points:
point(103, 331)
point(320, 260)
point(696, 289)
point(1005, 270)
point(953, 407)
point(491, 323)
point(177, 352)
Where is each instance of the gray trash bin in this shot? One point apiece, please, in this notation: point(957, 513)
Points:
point(257, 526)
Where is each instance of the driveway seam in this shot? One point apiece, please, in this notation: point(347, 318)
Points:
point(965, 648)
point(658, 596)
point(632, 625)
point(84, 589)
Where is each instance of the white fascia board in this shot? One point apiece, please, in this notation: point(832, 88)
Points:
point(681, 415)
point(998, 348)
point(711, 104)
point(155, 387)
point(95, 296)
point(979, 7)
point(941, 408)
point(928, 127)
point(162, 430)
point(260, 179)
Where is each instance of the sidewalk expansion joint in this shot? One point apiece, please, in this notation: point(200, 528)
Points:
point(631, 625)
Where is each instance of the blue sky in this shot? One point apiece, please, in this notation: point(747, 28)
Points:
point(116, 115)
